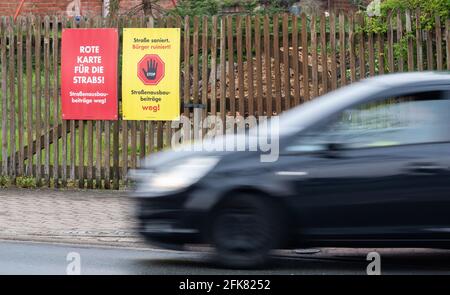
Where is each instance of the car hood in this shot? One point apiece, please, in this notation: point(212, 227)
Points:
point(189, 150)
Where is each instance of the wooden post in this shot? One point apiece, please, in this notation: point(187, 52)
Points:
point(286, 76)
point(249, 55)
point(276, 57)
point(268, 66)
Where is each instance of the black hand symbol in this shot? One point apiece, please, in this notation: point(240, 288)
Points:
point(152, 68)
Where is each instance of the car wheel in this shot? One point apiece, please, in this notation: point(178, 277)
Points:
point(243, 231)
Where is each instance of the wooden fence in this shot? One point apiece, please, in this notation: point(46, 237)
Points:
point(248, 65)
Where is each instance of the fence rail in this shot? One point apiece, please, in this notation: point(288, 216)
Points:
point(247, 65)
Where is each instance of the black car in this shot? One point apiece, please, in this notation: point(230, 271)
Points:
point(367, 165)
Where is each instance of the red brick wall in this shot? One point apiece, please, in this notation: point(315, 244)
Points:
point(346, 4)
point(59, 7)
point(341, 4)
point(128, 4)
point(49, 7)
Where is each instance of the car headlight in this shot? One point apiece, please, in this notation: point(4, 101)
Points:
point(179, 176)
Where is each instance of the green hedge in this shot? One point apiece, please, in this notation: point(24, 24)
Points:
point(428, 10)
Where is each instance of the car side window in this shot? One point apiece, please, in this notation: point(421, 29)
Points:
point(410, 119)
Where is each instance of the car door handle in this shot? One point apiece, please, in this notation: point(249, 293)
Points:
point(428, 168)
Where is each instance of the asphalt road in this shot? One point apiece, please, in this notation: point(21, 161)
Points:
point(40, 258)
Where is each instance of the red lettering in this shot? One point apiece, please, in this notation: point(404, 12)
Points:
point(151, 108)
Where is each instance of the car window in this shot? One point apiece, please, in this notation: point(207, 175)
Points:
point(411, 119)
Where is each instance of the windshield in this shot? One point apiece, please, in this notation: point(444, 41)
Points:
point(320, 108)
point(411, 119)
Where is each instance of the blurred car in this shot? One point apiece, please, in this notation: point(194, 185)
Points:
point(367, 165)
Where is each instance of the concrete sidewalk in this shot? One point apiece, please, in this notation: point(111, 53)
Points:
point(68, 216)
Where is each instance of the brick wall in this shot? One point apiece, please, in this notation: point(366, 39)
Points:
point(345, 4)
point(128, 4)
point(50, 7)
point(341, 4)
point(63, 7)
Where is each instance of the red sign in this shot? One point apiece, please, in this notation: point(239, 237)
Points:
point(151, 69)
point(89, 74)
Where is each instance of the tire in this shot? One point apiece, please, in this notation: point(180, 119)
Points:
point(243, 232)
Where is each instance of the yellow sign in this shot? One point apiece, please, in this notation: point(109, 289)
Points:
point(151, 74)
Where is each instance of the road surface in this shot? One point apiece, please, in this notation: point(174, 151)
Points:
point(42, 258)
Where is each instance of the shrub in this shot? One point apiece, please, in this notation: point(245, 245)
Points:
point(214, 7)
point(26, 182)
point(196, 7)
point(4, 181)
point(428, 10)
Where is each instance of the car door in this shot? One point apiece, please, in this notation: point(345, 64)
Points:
point(383, 173)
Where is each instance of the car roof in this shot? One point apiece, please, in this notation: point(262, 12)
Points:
point(306, 114)
point(401, 79)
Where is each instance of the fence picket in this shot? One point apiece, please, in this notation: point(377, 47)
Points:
point(286, 76)
point(64, 132)
point(429, 48)
point(195, 60)
point(305, 69)
point(4, 97)
point(447, 42)
point(399, 39)
point(314, 72)
point(186, 60)
point(55, 48)
point(380, 47)
point(342, 50)
point(230, 68)
point(371, 58)
point(72, 126)
point(352, 47)
point(80, 154)
point(107, 157)
point(438, 28)
point(323, 53)
point(20, 126)
point(12, 102)
point(213, 78)
point(276, 67)
point(240, 61)
point(115, 150)
point(205, 82)
point(410, 50)
point(419, 48)
point(98, 154)
point(268, 64)
point(249, 68)
point(29, 69)
point(362, 49)
point(295, 61)
point(333, 51)
point(47, 103)
point(223, 76)
point(259, 77)
point(390, 42)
